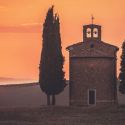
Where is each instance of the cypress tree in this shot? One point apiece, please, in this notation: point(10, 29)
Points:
point(51, 76)
point(122, 70)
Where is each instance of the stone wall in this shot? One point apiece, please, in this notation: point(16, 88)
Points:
point(92, 73)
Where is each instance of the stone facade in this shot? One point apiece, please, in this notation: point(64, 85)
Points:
point(92, 65)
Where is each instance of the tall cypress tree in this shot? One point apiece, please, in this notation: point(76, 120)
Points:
point(122, 70)
point(51, 76)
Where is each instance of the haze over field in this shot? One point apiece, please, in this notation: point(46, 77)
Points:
point(21, 30)
point(6, 81)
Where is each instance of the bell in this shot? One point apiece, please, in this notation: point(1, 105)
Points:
point(95, 32)
point(88, 32)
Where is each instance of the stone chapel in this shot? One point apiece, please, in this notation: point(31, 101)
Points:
point(92, 69)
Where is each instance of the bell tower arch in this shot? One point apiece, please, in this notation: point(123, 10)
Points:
point(91, 32)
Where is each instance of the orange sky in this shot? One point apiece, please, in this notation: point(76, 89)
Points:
point(21, 26)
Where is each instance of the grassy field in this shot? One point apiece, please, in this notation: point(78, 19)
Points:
point(113, 115)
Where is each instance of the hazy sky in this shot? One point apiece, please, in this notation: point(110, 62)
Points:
point(21, 25)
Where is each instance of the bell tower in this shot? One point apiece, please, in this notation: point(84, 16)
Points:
point(91, 32)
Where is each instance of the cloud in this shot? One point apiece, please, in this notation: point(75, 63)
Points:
point(25, 27)
point(31, 24)
point(3, 7)
point(21, 28)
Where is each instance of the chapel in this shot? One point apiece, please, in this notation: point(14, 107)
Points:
point(92, 69)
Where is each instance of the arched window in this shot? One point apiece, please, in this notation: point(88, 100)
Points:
point(88, 33)
point(95, 33)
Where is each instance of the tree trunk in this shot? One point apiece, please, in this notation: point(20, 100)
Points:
point(48, 99)
point(53, 100)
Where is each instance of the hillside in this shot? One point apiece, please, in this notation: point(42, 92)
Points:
point(25, 95)
point(7, 80)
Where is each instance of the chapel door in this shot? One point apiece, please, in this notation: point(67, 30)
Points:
point(92, 97)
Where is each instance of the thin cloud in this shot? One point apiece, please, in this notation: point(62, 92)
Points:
point(3, 7)
point(31, 24)
point(21, 28)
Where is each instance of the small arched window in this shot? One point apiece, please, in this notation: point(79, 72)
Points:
point(88, 33)
point(95, 33)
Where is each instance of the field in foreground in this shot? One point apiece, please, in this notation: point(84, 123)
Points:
point(44, 115)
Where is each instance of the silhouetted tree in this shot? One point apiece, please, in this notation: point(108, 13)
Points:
point(51, 77)
point(122, 70)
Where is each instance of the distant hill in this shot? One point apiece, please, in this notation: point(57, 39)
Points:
point(2, 79)
point(20, 85)
point(7, 80)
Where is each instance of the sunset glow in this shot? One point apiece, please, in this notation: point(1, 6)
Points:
point(21, 30)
